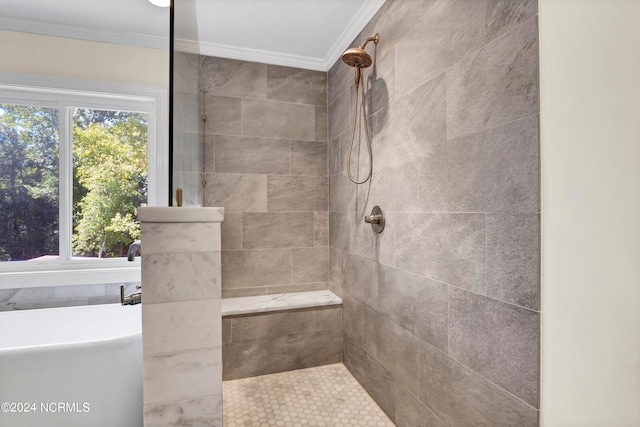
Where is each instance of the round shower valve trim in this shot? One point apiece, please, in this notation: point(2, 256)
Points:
point(376, 219)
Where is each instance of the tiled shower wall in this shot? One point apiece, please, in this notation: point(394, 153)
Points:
point(441, 310)
point(266, 164)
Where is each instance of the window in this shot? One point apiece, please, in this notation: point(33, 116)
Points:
point(74, 165)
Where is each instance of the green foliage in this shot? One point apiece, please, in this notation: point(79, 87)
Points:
point(110, 176)
point(28, 182)
point(109, 181)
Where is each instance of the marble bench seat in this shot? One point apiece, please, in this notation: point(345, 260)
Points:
point(278, 302)
point(266, 334)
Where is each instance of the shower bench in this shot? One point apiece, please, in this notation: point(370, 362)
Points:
point(266, 334)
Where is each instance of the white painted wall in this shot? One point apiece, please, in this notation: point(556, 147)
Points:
point(590, 131)
point(57, 56)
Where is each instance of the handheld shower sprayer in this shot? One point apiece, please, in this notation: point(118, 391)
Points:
point(359, 58)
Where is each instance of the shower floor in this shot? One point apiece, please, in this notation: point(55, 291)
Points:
point(324, 396)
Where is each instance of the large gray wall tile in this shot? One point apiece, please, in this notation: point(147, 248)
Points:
point(335, 265)
point(497, 340)
point(297, 193)
point(342, 194)
point(296, 85)
point(393, 21)
point(394, 347)
point(309, 265)
point(328, 319)
point(395, 188)
point(245, 269)
point(236, 192)
point(360, 278)
point(503, 15)
point(377, 380)
point(237, 79)
point(209, 153)
point(252, 358)
point(297, 287)
point(334, 156)
point(461, 397)
point(252, 155)
point(353, 319)
point(410, 412)
point(418, 304)
point(321, 228)
point(381, 82)
point(272, 325)
point(231, 229)
point(513, 258)
point(308, 350)
point(339, 230)
point(277, 230)
point(341, 113)
point(447, 33)
point(245, 292)
point(223, 115)
point(365, 243)
point(496, 84)
point(309, 158)
point(339, 78)
point(408, 127)
point(446, 247)
point(278, 120)
point(322, 123)
point(490, 171)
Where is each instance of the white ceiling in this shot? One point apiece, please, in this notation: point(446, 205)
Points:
point(299, 33)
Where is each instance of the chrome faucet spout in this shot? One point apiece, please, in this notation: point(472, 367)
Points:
point(133, 250)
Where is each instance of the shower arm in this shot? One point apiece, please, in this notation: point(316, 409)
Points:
point(375, 39)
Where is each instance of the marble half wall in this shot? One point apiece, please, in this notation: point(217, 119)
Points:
point(181, 316)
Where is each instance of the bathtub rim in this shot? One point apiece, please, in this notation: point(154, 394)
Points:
point(72, 343)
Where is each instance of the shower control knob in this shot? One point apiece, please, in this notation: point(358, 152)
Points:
point(373, 219)
point(376, 219)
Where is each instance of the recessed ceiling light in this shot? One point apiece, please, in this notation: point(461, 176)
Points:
point(161, 3)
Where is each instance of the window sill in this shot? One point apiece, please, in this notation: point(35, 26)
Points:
point(70, 275)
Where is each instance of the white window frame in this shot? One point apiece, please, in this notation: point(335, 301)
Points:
point(65, 94)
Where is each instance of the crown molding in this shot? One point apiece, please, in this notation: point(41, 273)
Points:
point(357, 24)
point(254, 55)
point(83, 33)
point(364, 15)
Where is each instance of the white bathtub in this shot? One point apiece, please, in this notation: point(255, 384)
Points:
point(72, 366)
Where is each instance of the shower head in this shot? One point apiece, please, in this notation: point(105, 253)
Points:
point(357, 56)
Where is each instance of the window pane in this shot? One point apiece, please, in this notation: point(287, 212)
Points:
point(109, 180)
point(28, 182)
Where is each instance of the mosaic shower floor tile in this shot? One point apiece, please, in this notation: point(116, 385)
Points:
point(326, 396)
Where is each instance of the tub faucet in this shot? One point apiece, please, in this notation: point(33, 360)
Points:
point(131, 299)
point(133, 250)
